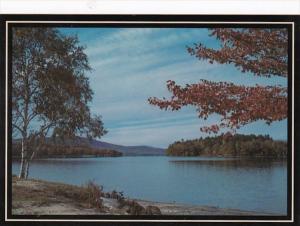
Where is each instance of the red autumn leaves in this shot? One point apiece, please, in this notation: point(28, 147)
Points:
point(260, 51)
point(264, 52)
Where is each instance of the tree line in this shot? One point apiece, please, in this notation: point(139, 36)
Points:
point(59, 150)
point(237, 145)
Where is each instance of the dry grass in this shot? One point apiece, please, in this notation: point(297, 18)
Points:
point(35, 195)
point(88, 195)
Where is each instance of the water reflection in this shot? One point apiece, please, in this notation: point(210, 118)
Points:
point(231, 163)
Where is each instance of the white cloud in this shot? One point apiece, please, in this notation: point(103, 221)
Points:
point(141, 40)
point(161, 135)
point(154, 136)
point(131, 65)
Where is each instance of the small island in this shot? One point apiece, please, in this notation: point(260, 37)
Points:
point(237, 145)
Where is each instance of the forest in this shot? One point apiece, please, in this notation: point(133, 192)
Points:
point(61, 151)
point(237, 145)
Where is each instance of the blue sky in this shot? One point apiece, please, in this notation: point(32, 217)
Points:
point(132, 64)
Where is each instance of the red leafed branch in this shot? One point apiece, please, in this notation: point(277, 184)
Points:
point(262, 52)
point(237, 105)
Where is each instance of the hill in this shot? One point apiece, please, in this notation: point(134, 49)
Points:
point(129, 150)
point(100, 145)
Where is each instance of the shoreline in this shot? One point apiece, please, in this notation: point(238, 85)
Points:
point(38, 197)
point(85, 156)
point(171, 156)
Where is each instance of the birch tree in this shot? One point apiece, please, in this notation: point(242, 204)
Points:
point(50, 91)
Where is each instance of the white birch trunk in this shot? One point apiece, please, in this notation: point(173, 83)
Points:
point(23, 161)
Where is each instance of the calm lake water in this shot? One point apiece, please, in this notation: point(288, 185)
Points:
point(258, 185)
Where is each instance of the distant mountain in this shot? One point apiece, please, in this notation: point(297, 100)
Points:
point(126, 150)
point(130, 150)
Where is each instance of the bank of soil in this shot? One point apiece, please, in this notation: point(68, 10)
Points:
point(37, 197)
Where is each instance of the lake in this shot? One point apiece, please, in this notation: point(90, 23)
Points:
point(255, 185)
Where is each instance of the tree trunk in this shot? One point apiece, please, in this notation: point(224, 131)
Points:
point(27, 169)
point(24, 160)
point(28, 163)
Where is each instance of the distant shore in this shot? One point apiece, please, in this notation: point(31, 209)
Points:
point(37, 197)
point(68, 156)
point(83, 156)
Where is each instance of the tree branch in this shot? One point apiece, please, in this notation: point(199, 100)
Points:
point(17, 127)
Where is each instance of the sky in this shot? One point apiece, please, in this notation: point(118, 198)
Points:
point(132, 64)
